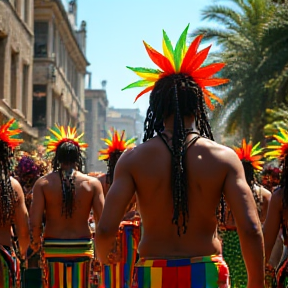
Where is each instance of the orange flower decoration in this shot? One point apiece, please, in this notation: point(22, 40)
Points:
point(250, 154)
point(9, 133)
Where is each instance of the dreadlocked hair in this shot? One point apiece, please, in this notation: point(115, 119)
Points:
point(283, 184)
point(177, 95)
point(250, 179)
point(67, 153)
point(111, 163)
point(8, 197)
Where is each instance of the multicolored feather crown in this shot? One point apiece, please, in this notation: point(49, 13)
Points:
point(61, 134)
point(279, 146)
point(115, 143)
point(182, 59)
point(9, 133)
point(250, 154)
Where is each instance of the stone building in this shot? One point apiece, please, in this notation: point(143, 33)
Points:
point(59, 66)
point(16, 63)
point(126, 119)
point(95, 127)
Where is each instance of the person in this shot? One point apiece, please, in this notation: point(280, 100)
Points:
point(278, 213)
point(67, 196)
point(128, 236)
point(180, 176)
point(250, 156)
point(12, 210)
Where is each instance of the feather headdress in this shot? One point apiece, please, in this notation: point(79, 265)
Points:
point(279, 146)
point(61, 134)
point(182, 59)
point(115, 142)
point(250, 154)
point(9, 133)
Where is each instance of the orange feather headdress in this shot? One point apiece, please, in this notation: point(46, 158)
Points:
point(61, 134)
point(115, 142)
point(9, 133)
point(250, 154)
point(182, 59)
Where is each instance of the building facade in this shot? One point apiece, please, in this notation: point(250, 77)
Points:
point(95, 127)
point(16, 63)
point(59, 66)
point(126, 119)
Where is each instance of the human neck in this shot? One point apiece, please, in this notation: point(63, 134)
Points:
point(67, 167)
point(189, 124)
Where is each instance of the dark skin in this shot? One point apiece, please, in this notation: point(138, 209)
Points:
point(273, 221)
point(47, 196)
point(212, 169)
point(20, 220)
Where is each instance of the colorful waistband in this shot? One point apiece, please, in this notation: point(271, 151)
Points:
point(53, 248)
point(178, 262)
point(207, 271)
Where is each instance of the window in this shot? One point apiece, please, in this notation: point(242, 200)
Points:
point(13, 80)
point(3, 42)
point(41, 39)
point(26, 11)
point(39, 106)
point(25, 82)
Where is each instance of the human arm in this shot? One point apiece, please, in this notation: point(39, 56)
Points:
point(36, 215)
point(117, 199)
point(98, 200)
point(243, 207)
point(272, 223)
point(21, 219)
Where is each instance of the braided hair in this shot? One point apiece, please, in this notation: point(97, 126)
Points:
point(178, 95)
point(250, 178)
point(8, 197)
point(284, 186)
point(67, 153)
point(111, 163)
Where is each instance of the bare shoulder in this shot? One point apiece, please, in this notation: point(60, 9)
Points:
point(92, 181)
point(277, 197)
point(16, 187)
point(217, 151)
point(266, 194)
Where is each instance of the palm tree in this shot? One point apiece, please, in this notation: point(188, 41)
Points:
point(243, 37)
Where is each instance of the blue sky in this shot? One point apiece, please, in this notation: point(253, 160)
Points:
point(116, 30)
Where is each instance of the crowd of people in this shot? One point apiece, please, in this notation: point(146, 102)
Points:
point(178, 210)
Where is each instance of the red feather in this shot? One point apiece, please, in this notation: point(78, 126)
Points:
point(143, 92)
point(160, 60)
point(208, 71)
point(191, 52)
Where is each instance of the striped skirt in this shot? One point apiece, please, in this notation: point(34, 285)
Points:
point(197, 272)
point(67, 262)
point(9, 268)
point(120, 274)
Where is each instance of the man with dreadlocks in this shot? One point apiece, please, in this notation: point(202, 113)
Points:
point(179, 177)
point(251, 161)
point(277, 216)
point(124, 252)
point(12, 209)
point(67, 196)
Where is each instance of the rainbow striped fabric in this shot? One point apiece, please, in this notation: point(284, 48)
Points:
point(120, 274)
point(197, 272)
point(9, 269)
point(67, 262)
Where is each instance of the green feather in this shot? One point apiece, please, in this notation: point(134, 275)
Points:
point(180, 48)
point(140, 83)
point(144, 70)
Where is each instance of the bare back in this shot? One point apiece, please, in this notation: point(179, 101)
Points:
point(88, 195)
